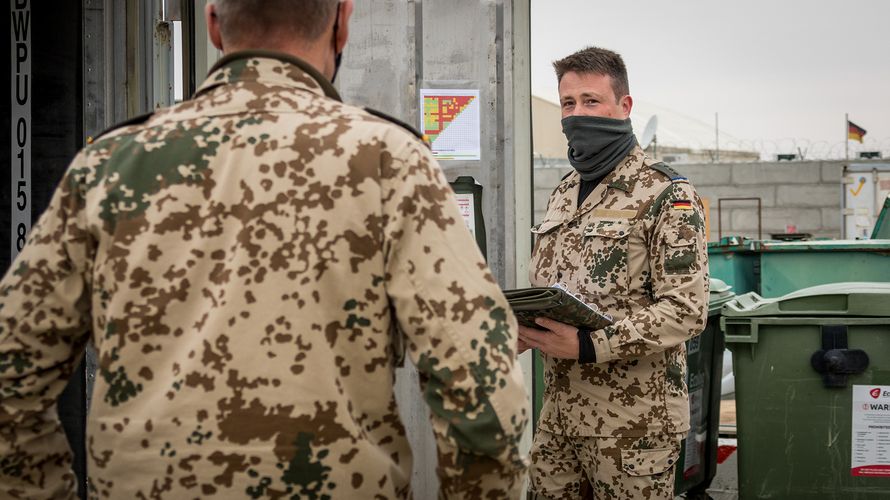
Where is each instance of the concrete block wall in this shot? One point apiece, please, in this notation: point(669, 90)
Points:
point(806, 194)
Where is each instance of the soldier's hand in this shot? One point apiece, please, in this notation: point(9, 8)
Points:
point(555, 339)
point(522, 345)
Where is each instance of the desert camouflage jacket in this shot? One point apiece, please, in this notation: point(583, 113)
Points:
point(242, 262)
point(637, 249)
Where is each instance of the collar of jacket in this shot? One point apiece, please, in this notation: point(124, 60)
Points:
point(622, 178)
point(267, 67)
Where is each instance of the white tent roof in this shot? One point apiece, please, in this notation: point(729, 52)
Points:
point(682, 131)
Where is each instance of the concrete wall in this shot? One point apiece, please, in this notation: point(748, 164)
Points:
point(806, 194)
point(398, 47)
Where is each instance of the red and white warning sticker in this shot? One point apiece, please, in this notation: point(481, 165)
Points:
point(871, 431)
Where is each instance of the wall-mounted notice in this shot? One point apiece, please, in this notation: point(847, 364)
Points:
point(871, 431)
point(450, 118)
point(20, 166)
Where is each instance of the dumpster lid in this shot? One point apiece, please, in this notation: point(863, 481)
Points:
point(834, 299)
point(821, 245)
point(718, 286)
point(720, 293)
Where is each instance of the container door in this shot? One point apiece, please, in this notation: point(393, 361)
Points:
point(859, 204)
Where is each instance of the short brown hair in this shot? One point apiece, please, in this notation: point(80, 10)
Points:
point(256, 19)
point(599, 62)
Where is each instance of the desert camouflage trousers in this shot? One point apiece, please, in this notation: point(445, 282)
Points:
point(615, 468)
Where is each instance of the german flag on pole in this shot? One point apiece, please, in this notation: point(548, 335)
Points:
point(855, 132)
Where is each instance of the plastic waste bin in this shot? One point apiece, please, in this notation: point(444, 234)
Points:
point(704, 356)
point(812, 395)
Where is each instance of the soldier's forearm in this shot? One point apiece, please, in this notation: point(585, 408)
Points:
point(659, 327)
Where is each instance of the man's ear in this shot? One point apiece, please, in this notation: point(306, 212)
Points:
point(626, 104)
point(213, 26)
point(346, 8)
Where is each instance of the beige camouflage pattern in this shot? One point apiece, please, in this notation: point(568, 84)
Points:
point(626, 468)
point(632, 250)
point(247, 264)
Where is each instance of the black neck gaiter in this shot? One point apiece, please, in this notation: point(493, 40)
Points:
point(597, 144)
point(338, 56)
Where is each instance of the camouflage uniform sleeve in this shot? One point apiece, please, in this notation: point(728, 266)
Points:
point(44, 324)
point(459, 330)
point(678, 256)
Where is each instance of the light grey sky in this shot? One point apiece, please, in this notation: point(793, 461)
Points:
point(780, 73)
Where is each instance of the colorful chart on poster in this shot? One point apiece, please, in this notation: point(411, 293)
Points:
point(450, 120)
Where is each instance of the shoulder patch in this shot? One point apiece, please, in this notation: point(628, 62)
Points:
point(136, 120)
point(679, 191)
point(681, 205)
point(671, 174)
point(400, 123)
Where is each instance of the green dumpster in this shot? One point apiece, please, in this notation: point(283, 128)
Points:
point(812, 381)
point(882, 225)
point(774, 268)
point(704, 355)
point(784, 267)
point(733, 260)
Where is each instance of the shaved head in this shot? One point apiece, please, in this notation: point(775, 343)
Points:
point(249, 21)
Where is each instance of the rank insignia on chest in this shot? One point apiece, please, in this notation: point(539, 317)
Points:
point(681, 205)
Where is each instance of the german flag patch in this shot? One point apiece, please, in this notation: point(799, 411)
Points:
point(681, 205)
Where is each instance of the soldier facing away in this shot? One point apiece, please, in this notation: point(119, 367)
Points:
point(627, 234)
point(247, 264)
